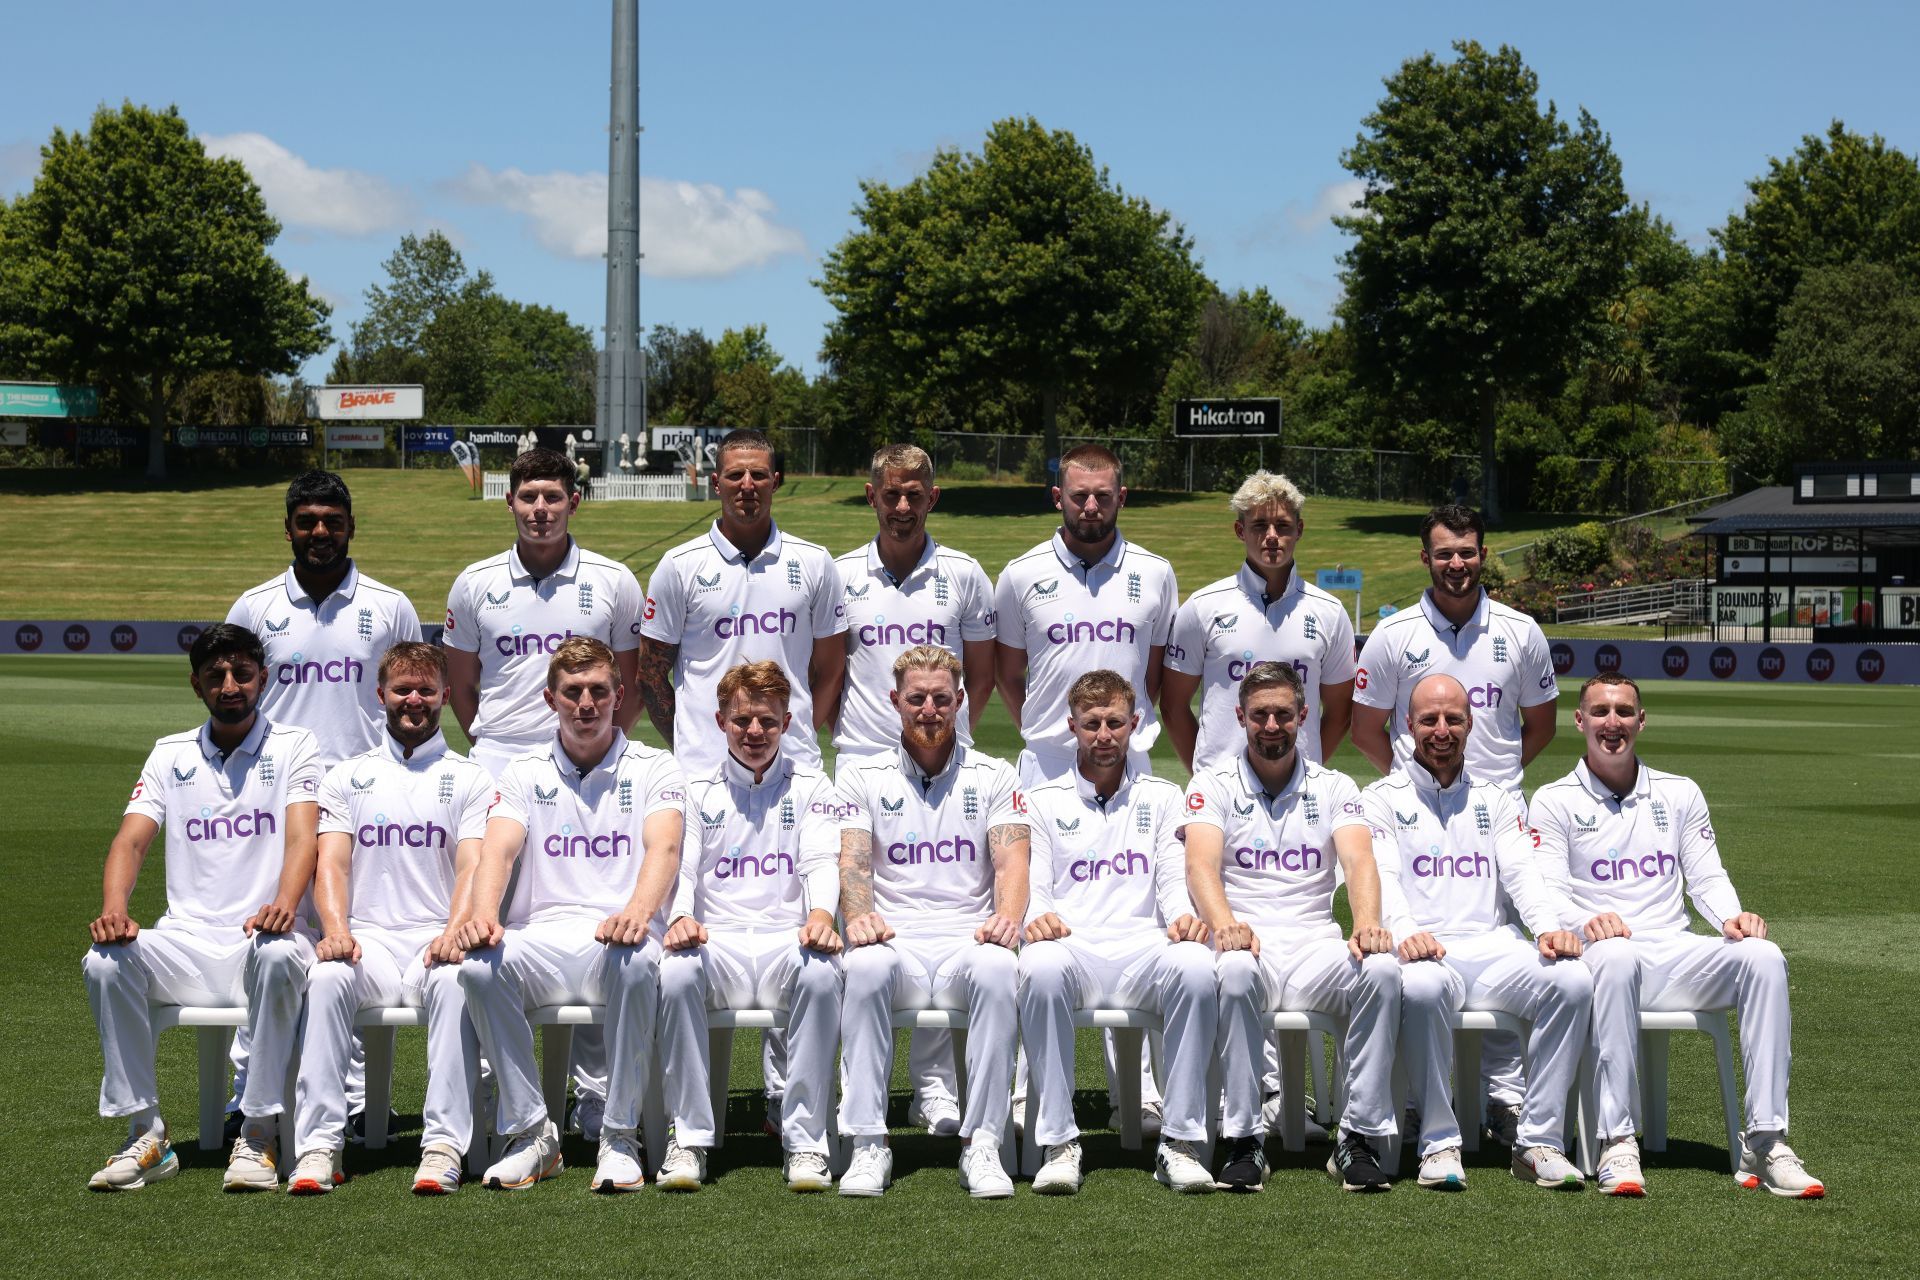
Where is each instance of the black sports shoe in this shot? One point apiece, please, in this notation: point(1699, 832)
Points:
point(1354, 1166)
point(1246, 1166)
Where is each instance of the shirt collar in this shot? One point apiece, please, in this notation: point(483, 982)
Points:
point(1251, 780)
point(424, 754)
point(608, 763)
point(876, 565)
point(1084, 787)
point(739, 775)
point(1256, 586)
point(1439, 620)
point(298, 594)
point(249, 745)
point(733, 555)
point(911, 767)
point(1642, 784)
point(1115, 553)
point(569, 564)
point(1423, 779)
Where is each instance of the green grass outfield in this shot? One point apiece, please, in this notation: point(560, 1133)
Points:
point(134, 553)
point(1814, 798)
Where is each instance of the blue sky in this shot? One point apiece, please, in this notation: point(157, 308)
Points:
point(488, 120)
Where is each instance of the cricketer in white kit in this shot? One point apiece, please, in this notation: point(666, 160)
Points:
point(324, 625)
point(933, 892)
point(1262, 837)
point(1452, 851)
point(598, 818)
point(904, 589)
point(1266, 611)
point(1109, 926)
point(742, 591)
point(1086, 599)
point(237, 798)
point(1627, 845)
point(400, 831)
point(752, 927)
point(507, 614)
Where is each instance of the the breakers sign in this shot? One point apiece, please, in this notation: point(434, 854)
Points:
point(344, 403)
point(1226, 418)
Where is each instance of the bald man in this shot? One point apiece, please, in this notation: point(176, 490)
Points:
point(1447, 844)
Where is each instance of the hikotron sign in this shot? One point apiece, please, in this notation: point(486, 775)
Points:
point(1196, 418)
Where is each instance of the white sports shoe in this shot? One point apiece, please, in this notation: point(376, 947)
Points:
point(807, 1171)
point(940, 1115)
point(1442, 1171)
point(250, 1167)
point(585, 1117)
point(980, 1173)
point(1619, 1169)
point(1151, 1116)
point(439, 1171)
point(315, 1173)
point(529, 1157)
point(1060, 1175)
point(1270, 1108)
point(683, 1169)
point(1176, 1165)
point(147, 1158)
point(618, 1168)
point(1772, 1164)
point(871, 1171)
point(1547, 1167)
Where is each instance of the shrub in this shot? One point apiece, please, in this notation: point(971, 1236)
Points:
point(1569, 553)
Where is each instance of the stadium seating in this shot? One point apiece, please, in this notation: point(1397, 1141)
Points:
point(1655, 1031)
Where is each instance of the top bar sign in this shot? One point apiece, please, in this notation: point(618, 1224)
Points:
point(345, 403)
point(1193, 418)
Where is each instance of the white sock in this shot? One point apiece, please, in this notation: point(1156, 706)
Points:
point(142, 1123)
point(868, 1140)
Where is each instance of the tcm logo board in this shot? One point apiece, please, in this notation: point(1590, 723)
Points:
point(186, 637)
point(1674, 661)
point(1772, 663)
point(1723, 662)
point(124, 637)
point(1606, 659)
point(28, 638)
point(1562, 654)
point(77, 637)
point(1820, 664)
point(1870, 665)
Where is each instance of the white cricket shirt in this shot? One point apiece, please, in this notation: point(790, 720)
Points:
point(1226, 627)
point(1278, 860)
point(932, 870)
point(945, 599)
point(1635, 855)
point(724, 609)
point(1446, 853)
point(225, 817)
point(514, 621)
point(1073, 617)
point(760, 855)
point(323, 660)
point(407, 816)
point(1499, 654)
point(1111, 866)
point(583, 850)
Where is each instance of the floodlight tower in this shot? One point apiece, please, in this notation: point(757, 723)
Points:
point(621, 403)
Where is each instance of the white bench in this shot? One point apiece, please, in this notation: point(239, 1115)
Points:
point(1129, 1028)
point(1655, 1032)
point(1291, 1027)
point(1469, 1098)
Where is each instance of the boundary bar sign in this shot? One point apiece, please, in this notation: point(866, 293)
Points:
point(1195, 419)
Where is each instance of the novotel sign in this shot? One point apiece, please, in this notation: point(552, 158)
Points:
point(347, 403)
point(1226, 418)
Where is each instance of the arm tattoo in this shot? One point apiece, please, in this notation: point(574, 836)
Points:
point(856, 873)
point(1007, 846)
point(1004, 835)
point(656, 684)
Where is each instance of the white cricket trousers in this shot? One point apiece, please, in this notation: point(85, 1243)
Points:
point(558, 962)
point(176, 964)
point(1680, 973)
point(928, 971)
point(390, 972)
point(1320, 975)
point(1137, 970)
point(1502, 972)
point(759, 970)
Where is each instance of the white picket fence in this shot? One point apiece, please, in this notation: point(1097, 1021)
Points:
point(607, 488)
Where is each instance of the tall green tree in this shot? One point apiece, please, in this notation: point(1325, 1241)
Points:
point(1020, 265)
point(139, 262)
point(680, 375)
point(1488, 240)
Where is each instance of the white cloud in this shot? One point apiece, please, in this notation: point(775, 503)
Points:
point(345, 201)
point(1336, 199)
point(687, 229)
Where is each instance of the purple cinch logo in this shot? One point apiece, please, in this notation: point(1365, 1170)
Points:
point(773, 622)
point(212, 826)
point(313, 671)
point(521, 643)
point(911, 852)
point(1485, 696)
point(741, 865)
point(1305, 858)
point(1130, 862)
point(381, 834)
point(1237, 669)
point(1613, 868)
point(565, 844)
point(1090, 630)
point(880, 631)
point(1469, 866)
